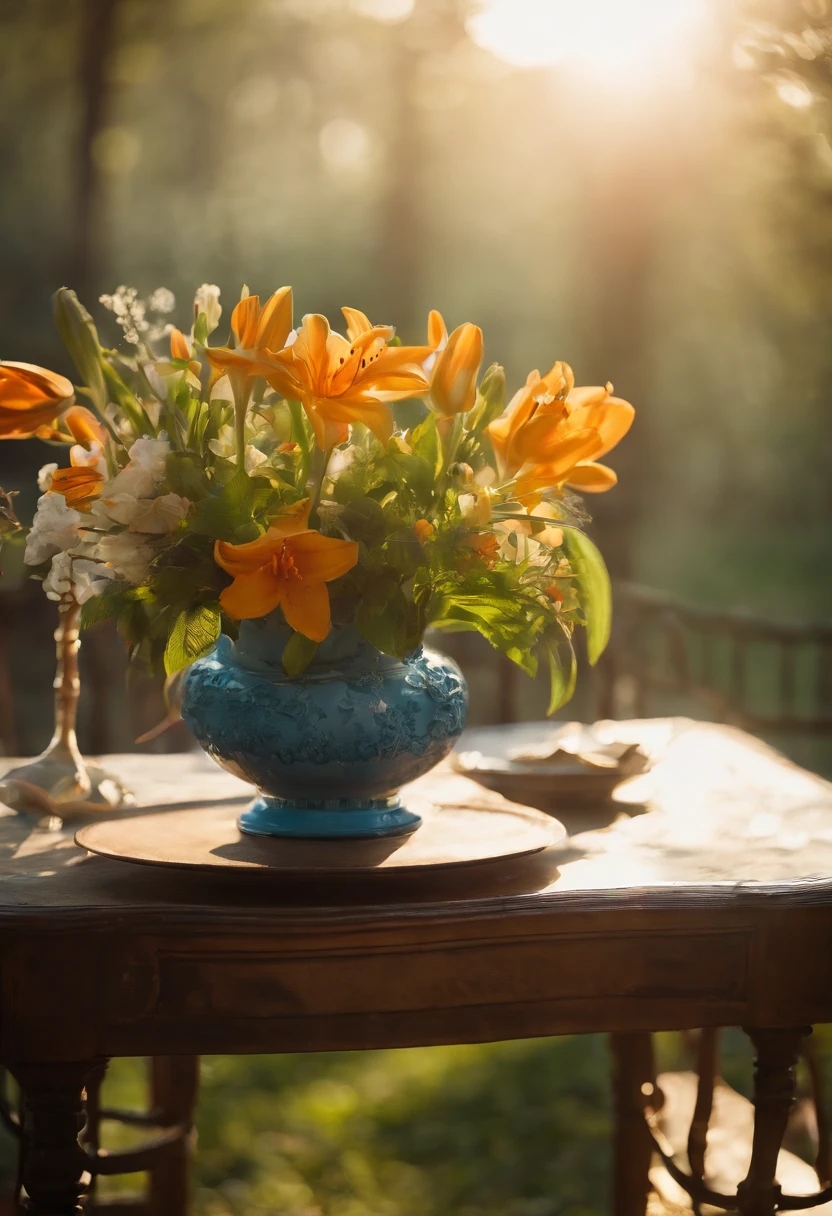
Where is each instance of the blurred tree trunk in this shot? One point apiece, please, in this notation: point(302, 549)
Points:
point(97, 39)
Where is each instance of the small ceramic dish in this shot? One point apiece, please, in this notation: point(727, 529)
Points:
point(549, 767)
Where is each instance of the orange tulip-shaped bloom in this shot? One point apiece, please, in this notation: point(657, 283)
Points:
point(454, 366)
point(31, 399)
point(288, 567)
point(340, 380)
point(258, 330)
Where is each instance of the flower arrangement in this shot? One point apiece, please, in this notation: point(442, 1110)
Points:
point(211, 484)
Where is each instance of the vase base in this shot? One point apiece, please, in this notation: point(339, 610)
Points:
point(336, 821)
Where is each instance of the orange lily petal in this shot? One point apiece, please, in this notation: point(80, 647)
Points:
point(245, 320)
point(592, 478)
point(79, 486)
point(179, 348)
point(357, 322)
point(252, 595)
point(453, 383)
point(275, 321)
point(306, 608)
point(610, 416)
point(31, 398)
point(84, 426)
point(437, 329)
point(320, 559)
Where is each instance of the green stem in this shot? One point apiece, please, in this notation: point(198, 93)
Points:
point(320, 466)
point(301, 439)
point(450, 434)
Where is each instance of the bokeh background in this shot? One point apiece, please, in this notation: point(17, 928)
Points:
point(640, 187)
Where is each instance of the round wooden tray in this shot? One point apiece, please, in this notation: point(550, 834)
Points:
point(208, 840)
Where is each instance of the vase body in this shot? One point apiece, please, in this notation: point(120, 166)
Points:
point(328, 750)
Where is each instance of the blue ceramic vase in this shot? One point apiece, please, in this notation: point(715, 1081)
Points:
point(330, 749)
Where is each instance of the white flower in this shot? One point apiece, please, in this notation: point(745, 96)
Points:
point(45, 475)
point(115, 508)
point(207, 300)
point(162, 300)
point(155, 515)
point(92, 458)
point(341, 460)
point(90, 578)
point(222, 390)
point(56, 527)
point(129, 312)
point(145, 470)
point(87, 578)
point(158, 515)
point(129, 555)
point(58, 581)
point(225, 445)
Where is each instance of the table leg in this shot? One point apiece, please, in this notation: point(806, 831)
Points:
point(633, 1069)
point(777, 1052)
point(55, 1171)
point(174, 1083)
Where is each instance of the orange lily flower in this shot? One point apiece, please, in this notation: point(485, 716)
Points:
point(344, 380)
point(31, 398)
point(455, 367)
point(79, 485)
point(259, 331)
point(612, 418)
point(552, 432)
point(83, 482)
point(288, 567)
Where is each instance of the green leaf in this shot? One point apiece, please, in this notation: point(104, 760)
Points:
point(563, 672)
point(128, 401)
point(80, 337)
point(192, 634)
point(594, 591)
point(425, 443)
point(103, 607)
point(298, 653)
point(201, 330)
point(364, 520)
point(184, 476)
point(239, 492)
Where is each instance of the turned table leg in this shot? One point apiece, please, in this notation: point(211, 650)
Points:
point(633, 1072)
point(174, 1085)
point(55, 1171)
point(777, 1052)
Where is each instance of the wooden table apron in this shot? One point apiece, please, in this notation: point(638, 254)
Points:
point(200, 980)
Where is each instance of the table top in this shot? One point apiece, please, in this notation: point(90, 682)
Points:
point(702, 896)
point(719, 818)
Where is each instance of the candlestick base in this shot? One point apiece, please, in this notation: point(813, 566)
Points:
point(60, 784)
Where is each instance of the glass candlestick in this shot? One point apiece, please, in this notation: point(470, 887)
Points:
point(60, 782)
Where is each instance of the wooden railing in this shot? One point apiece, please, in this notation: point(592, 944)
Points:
point(765, 676)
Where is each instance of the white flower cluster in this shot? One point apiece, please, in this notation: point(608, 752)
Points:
point(131, 313)
point(121, 533)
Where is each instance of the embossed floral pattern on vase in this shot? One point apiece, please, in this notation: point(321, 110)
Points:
point(352, 730)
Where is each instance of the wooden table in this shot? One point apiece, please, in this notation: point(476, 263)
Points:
point(709, 906)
